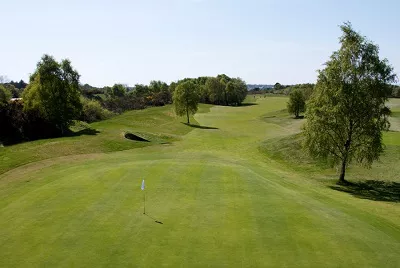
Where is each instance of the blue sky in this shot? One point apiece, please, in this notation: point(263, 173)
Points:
point(127, 41)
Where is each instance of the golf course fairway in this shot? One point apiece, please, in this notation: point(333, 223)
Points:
point(215, 197)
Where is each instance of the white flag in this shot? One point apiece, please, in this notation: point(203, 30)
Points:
point(142, 185)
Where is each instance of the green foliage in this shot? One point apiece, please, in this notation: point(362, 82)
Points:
point(18, 85)
point(160, 92)
point(119, 99)
point(158, 86)
point(157, 93)
point(116, 91)
point(296, 103)
point(54, 92)
point(92, 111)
point(5, 95)
point(220, 90)
point(186, 99)
point(172, 87)
point(306, 89)
point(216, 90)
point(241, 90)
point(204, 94)
point(347, 114)
point(278, 86)
point(15, 88)
point(15, 92)
point(224, 78)
point(141, 90)
point(236, 91)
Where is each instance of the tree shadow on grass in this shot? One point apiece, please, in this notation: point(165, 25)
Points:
point(198, 126)
point(86, 131)
point(246, 104)
point(299, 117)
point(372, 189)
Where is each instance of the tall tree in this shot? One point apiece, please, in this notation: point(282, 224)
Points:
point(54, 92)
point(296, 103)
point(347, 114)
point(186, 99)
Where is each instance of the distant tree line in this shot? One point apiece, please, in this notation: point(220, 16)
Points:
point(219, 90)
point(15, 88)
point(286, 89)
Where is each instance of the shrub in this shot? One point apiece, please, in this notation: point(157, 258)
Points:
point(119, 105)
point(92, 111)
point(296, 103)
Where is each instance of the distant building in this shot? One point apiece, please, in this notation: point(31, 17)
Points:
point(15, 99)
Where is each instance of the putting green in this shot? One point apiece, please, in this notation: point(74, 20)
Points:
point(212, 199)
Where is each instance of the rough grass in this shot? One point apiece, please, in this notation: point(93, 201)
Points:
point(222, 201)
point(288, 149)
point(159, 123)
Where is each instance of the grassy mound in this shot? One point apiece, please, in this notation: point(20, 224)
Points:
point(102, 137)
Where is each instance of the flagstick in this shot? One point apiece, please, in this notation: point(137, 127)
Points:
point(144, 202)
point(144, 197)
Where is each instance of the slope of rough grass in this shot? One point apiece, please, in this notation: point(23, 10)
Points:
point(158, 123)
point(288, 149)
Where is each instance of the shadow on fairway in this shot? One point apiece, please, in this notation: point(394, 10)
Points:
point(86, 131)
point(156, 221)
point(371, 189)
point(201, 127)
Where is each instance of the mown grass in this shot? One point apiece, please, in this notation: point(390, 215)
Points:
point(213, 198)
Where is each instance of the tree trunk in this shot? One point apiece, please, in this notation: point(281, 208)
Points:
point(187, 110)
point(342, 172)
point(344, 162)
point(346, 155)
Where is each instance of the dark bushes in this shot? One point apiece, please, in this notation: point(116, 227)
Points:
point(121, 104)
point(18, 125)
